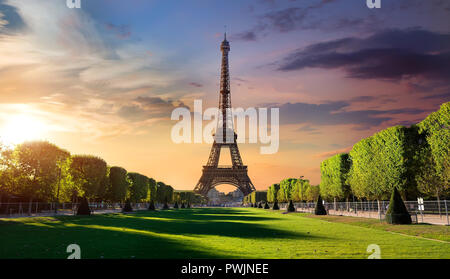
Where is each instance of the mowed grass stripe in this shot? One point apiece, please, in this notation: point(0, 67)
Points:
point(205, 233)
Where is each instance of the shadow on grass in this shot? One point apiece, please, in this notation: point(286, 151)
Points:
point(158, 234)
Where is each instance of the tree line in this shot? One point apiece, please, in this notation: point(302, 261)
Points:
point(290, 189)
point(414, 160)
point(41, 171)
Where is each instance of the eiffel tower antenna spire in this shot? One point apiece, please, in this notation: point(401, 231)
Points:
point(225, 137)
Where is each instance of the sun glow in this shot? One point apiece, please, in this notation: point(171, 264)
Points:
point(20, 128)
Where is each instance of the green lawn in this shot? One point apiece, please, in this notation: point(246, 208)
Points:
point(206, 233)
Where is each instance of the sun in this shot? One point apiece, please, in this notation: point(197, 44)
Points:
point(21, 128)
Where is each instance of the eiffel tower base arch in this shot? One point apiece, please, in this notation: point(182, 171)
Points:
point(214, 176)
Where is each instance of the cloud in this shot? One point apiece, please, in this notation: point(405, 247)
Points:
point(328, 154)
point(10, 19)
point(338, 113)
point(196, 84)
point(391, 54)
point(120, 31)
point(144, 108)
point(282, 20)
point(309, 129)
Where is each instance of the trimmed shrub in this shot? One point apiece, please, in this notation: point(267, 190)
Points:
point(266, 206)
point(127, 207)
point(182, 205)
point(151, 206)
point(397, 212)
point(320, 209)
point(260, 205)
point(166, 206)
point(188, 205)
point(83, 207)
point(275, 206)
point(291, 207)
point(176, 205)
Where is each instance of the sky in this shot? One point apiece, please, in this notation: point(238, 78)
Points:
point(104, 79)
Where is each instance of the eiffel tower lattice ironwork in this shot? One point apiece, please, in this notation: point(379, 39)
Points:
point(225, 137)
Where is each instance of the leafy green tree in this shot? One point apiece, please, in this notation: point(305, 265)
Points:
point(434, 174)
point(361, 176)
point(68, 189)
point(151, 189)
point(300, 189)
point(139, 187)
point(272, 192)
point(9, 173)
point(164, 193)
point(286, 186)
point(385, 161)
point(312, 193)
point(334, 174)
point(90, 175)
point(119, 184)
point(37, 167)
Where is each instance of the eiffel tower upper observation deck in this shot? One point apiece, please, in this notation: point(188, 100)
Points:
point(225, 137)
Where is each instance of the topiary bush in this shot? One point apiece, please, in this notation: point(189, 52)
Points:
point(182, 205)
point(151, 206)
point(188, 205)
point(397, 212)
point(320, 209)
point(83, 207)
point(266, 206)
point(166, 206)
point(127, 207)
point(176, 205)
point(260, 205)
point(291, 207)
point(275, 206)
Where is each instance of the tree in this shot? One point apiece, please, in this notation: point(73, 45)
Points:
point(151, 189)
point(151, 205)
point(434, 172)
point(272, 192)
point(127, 207)
point(286, 186)
point(119, 184)
point(320, 209)
point(83, 207)
point(312, 193)
point(161, 192)
point(291, 207)
point(139, 187)
point(300, 189)
point(275, 206)
point(334, 173)
point(90, 175)
point(397, 212)
point(37, 167)
point(361, 176)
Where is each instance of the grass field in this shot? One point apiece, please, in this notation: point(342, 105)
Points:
point(214, 233)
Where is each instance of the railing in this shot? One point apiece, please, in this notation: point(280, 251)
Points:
point(432, 212)
point(22, 209)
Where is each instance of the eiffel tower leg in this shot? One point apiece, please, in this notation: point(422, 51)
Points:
point(203, 186)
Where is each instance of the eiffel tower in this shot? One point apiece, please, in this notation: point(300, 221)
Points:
point(225, 137)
